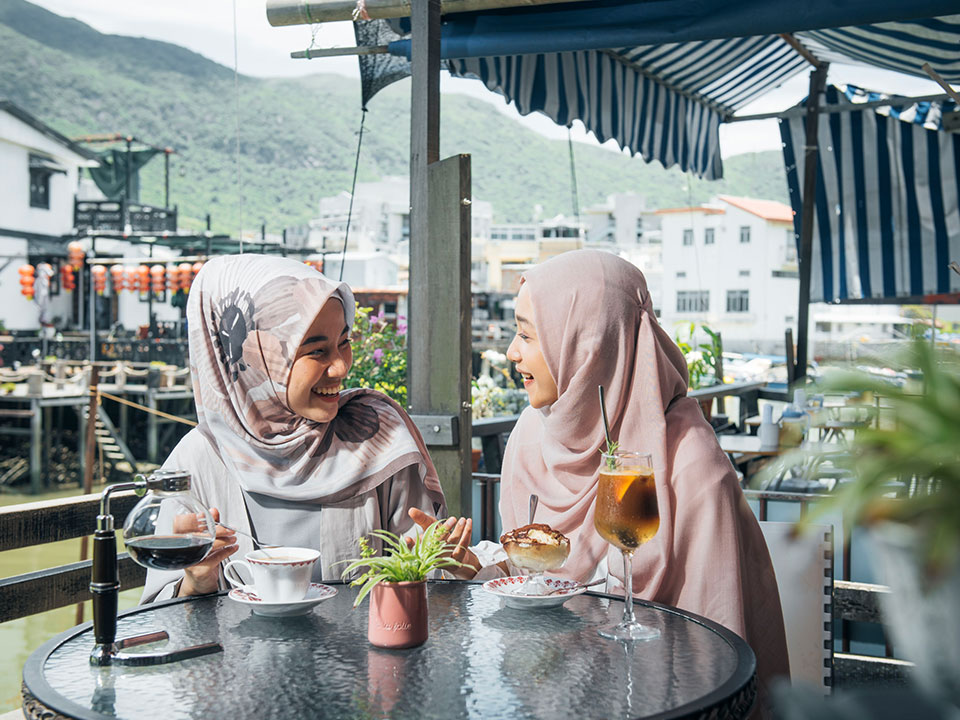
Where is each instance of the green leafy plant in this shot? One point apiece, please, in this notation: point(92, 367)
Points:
point(703, 359)
point(379, 355)
point(920, 448)
point(401, 563)
point(496, 394)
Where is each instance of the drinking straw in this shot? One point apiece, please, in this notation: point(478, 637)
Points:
point(603, 411)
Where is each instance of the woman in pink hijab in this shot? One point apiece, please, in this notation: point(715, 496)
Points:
point(585, 319)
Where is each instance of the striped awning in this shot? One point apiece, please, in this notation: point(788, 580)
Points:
point(887, 219)
point(665, 100)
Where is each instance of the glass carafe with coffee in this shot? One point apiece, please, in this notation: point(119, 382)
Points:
point(167, 530)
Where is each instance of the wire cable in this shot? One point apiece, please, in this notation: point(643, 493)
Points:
point(353, 189)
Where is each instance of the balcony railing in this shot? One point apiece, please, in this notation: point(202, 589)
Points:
point(121, 216)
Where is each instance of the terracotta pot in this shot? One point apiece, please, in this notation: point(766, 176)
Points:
point(398, 615)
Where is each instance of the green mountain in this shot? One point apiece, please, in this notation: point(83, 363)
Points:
point(298, 136)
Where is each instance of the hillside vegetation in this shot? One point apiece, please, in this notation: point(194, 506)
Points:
point(298, 136)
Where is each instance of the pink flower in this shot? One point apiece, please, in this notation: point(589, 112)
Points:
point(378, 356)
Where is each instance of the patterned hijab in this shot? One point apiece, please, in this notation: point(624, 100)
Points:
point(247, 316)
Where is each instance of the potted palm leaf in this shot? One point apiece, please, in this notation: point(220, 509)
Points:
point(396, 583)
point(905, 487)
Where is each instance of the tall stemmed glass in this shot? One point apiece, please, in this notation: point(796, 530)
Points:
point(627, 516)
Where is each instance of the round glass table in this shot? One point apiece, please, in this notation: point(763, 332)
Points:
point(482, 659)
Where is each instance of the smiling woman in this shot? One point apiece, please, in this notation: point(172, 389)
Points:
point(280, 444)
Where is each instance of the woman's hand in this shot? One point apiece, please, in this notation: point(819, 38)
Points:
point(458, 534)
point(203, 577)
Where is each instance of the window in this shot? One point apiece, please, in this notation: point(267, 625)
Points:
point(738, 301)
point(39, 186)
point(708, 236)
point(745, 234)
point(693, 301)
point(790, 255)
point(640, 229)
point(688, 237)
point(681, 274)
point(744, 273)
point(405, 226)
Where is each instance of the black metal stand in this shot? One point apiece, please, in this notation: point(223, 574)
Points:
point(105, 586)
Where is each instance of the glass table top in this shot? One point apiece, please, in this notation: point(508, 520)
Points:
point(481, 660)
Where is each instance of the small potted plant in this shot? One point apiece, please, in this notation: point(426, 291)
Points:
point(905, 487)
point(396, 582)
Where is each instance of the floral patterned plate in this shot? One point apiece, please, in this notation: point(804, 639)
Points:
point(508, 588)
point(317, 593)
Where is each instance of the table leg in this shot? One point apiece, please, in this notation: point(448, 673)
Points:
point(36, 445)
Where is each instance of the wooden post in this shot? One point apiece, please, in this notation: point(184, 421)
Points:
point(439, 337)
point(818, 80)
point(89, 451)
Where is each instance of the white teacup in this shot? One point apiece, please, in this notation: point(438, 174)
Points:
point(280, 574)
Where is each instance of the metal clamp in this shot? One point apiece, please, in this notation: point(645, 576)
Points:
point(438, 430)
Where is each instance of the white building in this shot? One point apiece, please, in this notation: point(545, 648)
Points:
point(39, 176)
point(625, 225)
point(380, 219)
point(731, 264)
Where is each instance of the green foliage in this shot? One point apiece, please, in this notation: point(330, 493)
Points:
point(379, 355)
point(921, 445)
point(298, 136)
point(496, 394)
point(703, 360)
point(402, 563)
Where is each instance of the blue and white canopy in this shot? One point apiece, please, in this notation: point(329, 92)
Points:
point(660, 76)
point(887, 219)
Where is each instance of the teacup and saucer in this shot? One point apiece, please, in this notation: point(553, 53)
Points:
point(277, 581)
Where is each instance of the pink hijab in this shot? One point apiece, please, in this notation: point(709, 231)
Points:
point(247, 316)
point(595, 324)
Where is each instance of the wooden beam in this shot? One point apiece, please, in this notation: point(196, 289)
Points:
point(309, 12)
point(338, 52)
point(938, 79)
point(47, 521)
point(802, 51)
point(892, 101)
point(818, 81)
point(36, 592)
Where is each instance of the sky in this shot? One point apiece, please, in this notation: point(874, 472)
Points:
point(207, 27)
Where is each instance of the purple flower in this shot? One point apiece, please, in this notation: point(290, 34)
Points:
point(377, 356)
point(379, 316)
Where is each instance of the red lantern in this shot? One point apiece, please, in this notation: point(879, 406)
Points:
point(186, 275)
point(196, 268)
point(130, 278)
point(156, 279)
point(76, 254)
point(143, 278)
point(99, 275)
point(26, 280)
point(116, 278)
point(68, 280)
point(173, 278)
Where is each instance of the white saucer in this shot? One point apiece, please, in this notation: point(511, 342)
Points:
point(508, 589)
point(317, 593)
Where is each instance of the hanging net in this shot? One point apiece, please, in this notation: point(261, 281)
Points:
point(378, 71)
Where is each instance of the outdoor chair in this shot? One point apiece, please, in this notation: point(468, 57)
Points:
point(804, 569)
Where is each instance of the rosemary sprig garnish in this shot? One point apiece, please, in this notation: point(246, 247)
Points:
point(612, 445)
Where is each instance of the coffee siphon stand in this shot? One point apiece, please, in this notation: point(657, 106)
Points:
point(166, 496)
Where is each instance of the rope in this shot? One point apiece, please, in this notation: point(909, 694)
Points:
point(236, 91)
point(138, 406)
point(353, 189)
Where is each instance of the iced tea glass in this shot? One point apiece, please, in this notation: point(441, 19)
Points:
point(627, 516)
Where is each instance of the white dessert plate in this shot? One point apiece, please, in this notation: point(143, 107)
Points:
point(508, 588)
point(316, 594)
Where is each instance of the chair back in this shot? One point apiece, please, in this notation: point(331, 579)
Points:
point(804, 570)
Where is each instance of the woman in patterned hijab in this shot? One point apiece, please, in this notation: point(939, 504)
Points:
point(281, 449)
